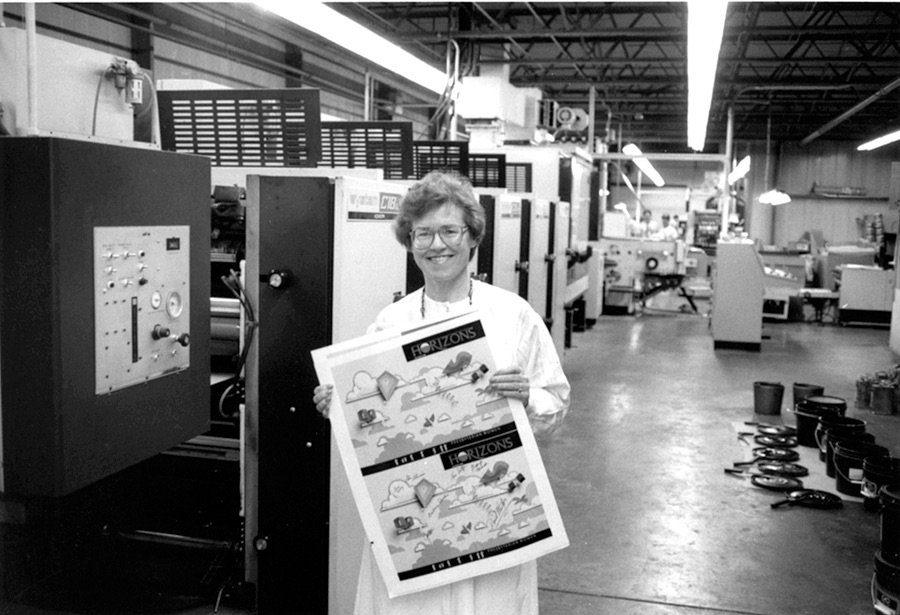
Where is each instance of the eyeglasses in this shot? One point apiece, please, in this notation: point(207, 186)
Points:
point(451, 235)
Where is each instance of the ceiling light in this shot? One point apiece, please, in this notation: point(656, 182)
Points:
point(774, 197)
point(706, 20)
point(644, 165)
point(327, 23)
point(880, 141)
point(740, 170)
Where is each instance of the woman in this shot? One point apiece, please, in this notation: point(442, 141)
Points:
point(441, 223)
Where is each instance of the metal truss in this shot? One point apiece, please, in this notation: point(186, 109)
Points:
point(789, 71)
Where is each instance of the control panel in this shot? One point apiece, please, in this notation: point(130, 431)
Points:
point(141, 304)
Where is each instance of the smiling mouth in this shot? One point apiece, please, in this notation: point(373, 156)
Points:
point(440, 259)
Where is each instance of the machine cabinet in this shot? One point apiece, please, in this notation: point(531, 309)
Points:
point(104, 286)
point(331, 244)
point(866, 294)
point(738, 286)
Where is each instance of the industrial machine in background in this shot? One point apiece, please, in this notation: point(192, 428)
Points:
point(707, 227)
point(583, 277)
point(866, 294)
point(562, 176)
point(741, 283)
point(635, 269)
point(500, 260)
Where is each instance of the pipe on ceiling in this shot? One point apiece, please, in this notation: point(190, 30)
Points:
point(850, 112)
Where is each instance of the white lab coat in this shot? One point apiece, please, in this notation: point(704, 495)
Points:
point(528, 345)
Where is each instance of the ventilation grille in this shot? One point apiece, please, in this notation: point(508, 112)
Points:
point(431, 156)
point(487, 170)
point(518, 176)
point(237, 128)
point(371, 145)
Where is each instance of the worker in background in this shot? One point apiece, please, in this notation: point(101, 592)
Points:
point(646, 226)
point(441, 223)
point(669, 230)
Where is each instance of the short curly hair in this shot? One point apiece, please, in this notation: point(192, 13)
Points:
point(432, 192)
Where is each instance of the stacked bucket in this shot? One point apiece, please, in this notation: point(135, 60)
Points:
point(881, 490)
point(860, 467)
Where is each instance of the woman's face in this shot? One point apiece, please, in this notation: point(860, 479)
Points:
point(441, 263)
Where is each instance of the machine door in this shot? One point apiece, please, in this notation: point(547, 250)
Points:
point(557, 283)
point(507, 241)
point(369, 271)
point(538, 249)
point(289, 266)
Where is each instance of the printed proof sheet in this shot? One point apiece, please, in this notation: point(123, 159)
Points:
point(446, 474)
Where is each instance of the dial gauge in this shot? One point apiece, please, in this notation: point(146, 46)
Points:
point(174, 304)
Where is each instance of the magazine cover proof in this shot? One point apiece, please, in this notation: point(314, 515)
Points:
point(446, 474)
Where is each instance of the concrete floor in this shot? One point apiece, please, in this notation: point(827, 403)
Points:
point(655, 525)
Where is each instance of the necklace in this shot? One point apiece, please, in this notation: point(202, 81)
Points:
point(422, 307)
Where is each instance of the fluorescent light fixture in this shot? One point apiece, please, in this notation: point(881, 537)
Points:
point(644, 165)
point(740, 170)
point(706, 20)
point(328, 23)
point(880, 141)
point(774, 197)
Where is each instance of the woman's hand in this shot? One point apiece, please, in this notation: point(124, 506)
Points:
point(509, 382)
point(322, 399)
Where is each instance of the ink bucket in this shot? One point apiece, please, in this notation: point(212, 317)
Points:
point(829, 421)
point(803, 390)
point(890, 523)
point(767, 397)
point(833, 436)
point(848, 461)
point(885, 586)
point(878, 472)
point(808, 412)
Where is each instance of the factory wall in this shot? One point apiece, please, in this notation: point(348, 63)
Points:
point(832, 187)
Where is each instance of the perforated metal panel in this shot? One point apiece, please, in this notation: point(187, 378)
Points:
point(487, 170)
point(518, 176)
point(431, 156)
point(371, 145)
point(259, 128)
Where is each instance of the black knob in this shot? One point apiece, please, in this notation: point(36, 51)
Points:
point(278, 279)
point(184, 339)
point(160, 332)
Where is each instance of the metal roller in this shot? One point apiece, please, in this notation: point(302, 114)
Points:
point(224, 307)
point(225, 322)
